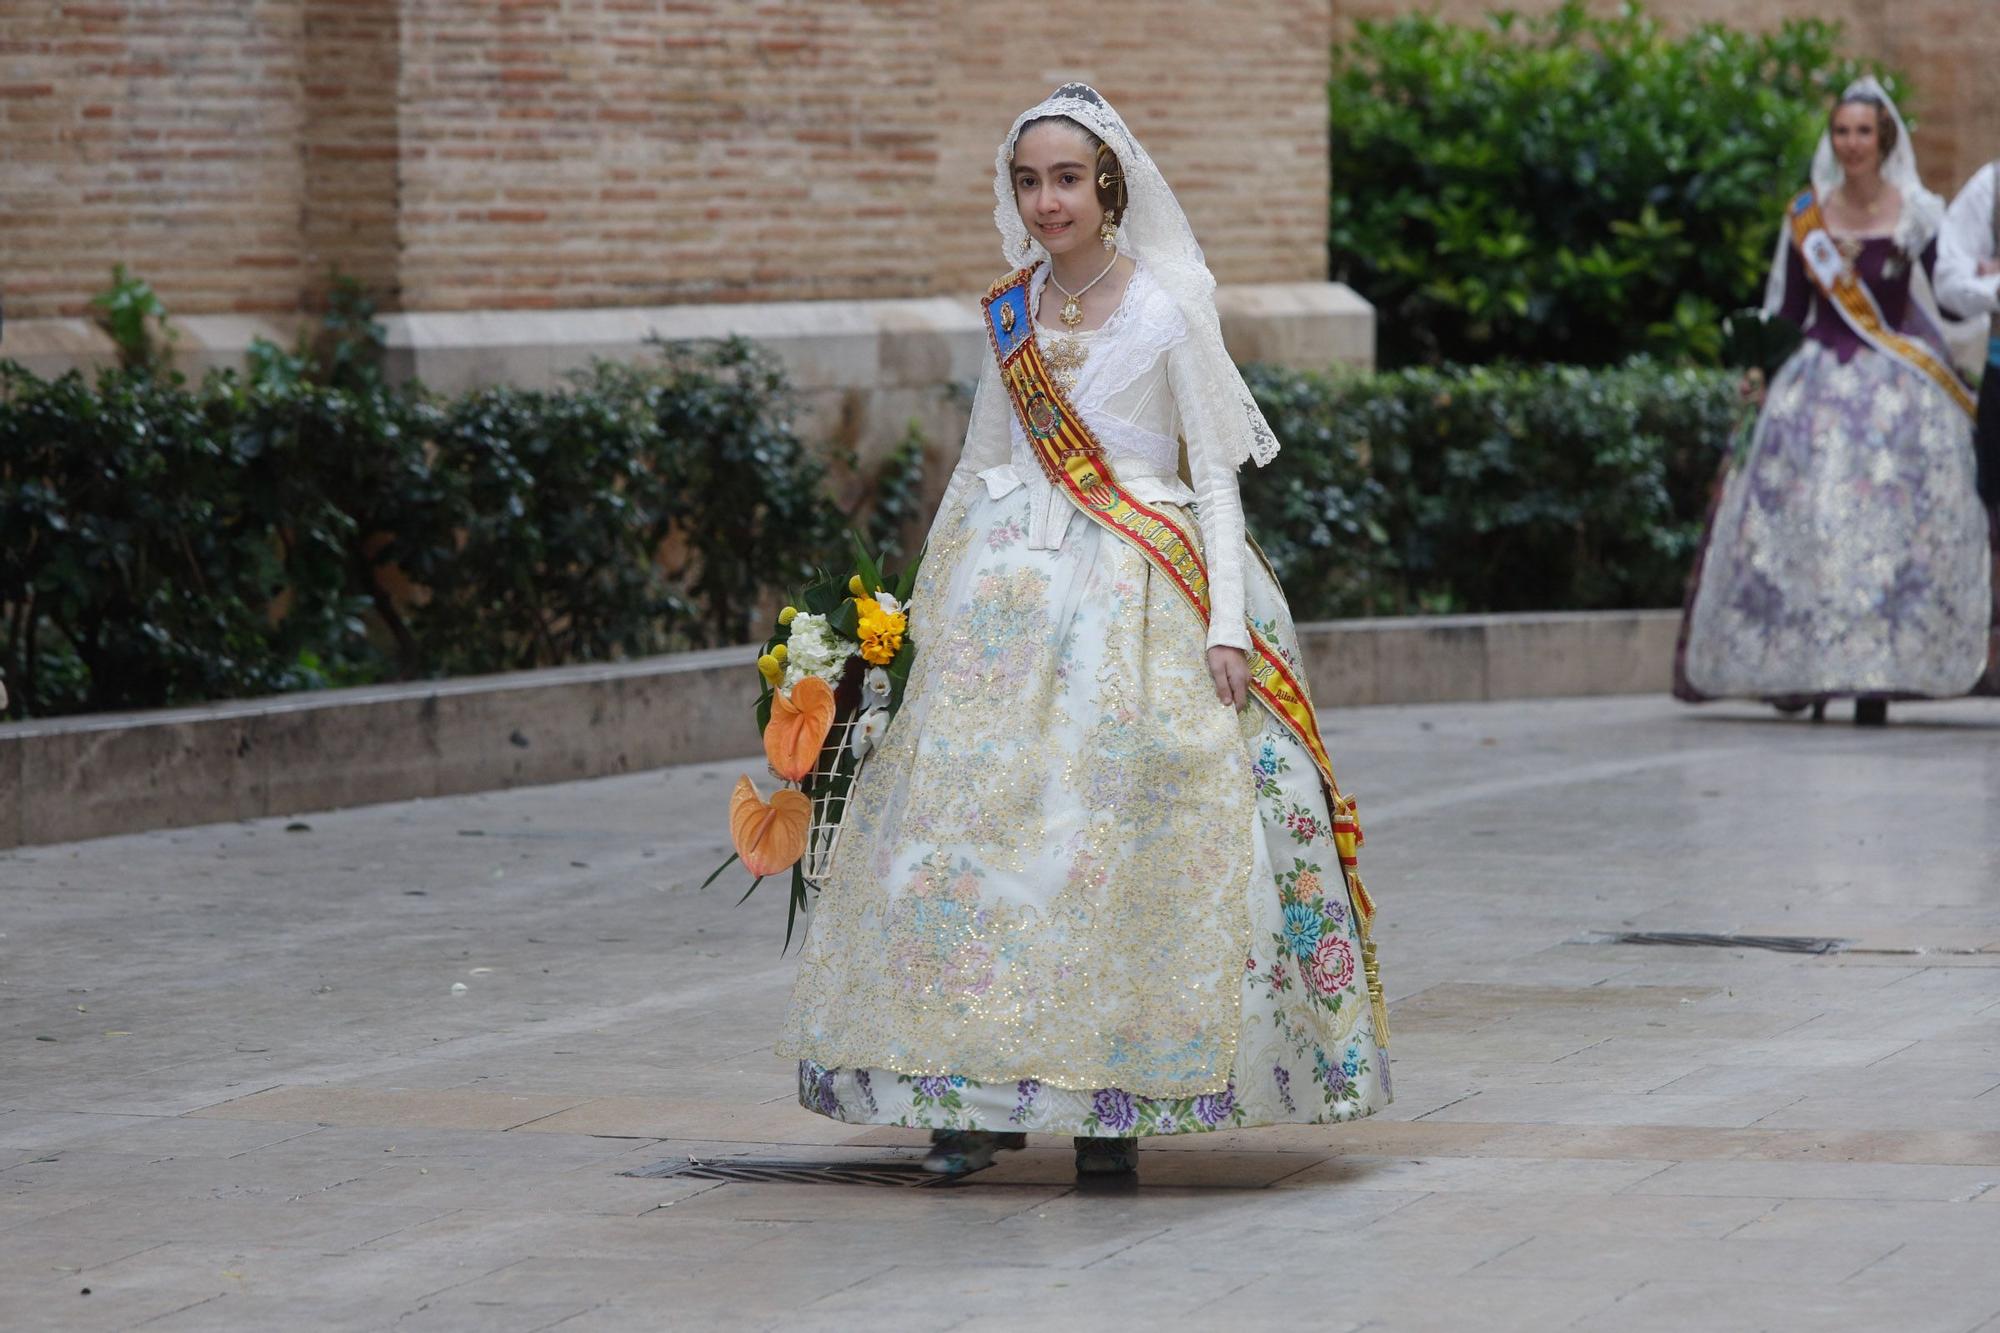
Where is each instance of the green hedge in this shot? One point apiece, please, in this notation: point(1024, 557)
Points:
point(1566, 188)
point(1488, 488)
point(164, 542)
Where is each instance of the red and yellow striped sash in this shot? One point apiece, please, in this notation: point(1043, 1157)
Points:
point(1074, 461)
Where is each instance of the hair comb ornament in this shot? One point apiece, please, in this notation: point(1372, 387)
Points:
point(1106, 179)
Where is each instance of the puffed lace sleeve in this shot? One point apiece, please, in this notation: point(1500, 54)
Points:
point(1966, 239)
point(1218, 504)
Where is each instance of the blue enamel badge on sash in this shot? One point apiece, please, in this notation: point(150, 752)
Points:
point(1009, 317)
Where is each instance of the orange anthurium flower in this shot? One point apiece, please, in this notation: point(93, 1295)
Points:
point(800, 720)
point(769, 835)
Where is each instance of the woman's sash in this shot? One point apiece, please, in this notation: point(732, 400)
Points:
point(1075, 464)
point(1842, 288)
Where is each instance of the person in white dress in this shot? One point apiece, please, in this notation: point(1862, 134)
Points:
point(1091, 882)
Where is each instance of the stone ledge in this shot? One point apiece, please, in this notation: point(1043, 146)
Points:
point(65, 779)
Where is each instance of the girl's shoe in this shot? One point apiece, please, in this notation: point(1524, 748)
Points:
point(958, 1152)
point(1106, 1157)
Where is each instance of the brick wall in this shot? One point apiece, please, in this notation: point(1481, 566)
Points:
point(163, 135)
point(469, 154)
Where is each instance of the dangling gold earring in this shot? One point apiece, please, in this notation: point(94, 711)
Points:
point(1108, 232)
point(1027, 244)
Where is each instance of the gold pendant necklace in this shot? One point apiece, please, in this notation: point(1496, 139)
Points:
point(1072, 311)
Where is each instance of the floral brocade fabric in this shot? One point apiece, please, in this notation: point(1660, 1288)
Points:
point(1075, 893)
point(1848, 552)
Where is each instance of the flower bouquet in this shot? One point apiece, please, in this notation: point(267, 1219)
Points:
point(834, 671)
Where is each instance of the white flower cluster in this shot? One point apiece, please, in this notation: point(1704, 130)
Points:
point(815, 650)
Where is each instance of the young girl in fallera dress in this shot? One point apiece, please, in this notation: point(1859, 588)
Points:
point(1092, 882)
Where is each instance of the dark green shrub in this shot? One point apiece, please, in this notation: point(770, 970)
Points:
point(642, 509)
point(161, 543)
point(1567, 188)
point(1490, 488)
point(304, 523)
point(751, 504)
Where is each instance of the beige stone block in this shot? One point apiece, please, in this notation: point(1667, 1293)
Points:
point(926, 343)
point(497, 736)
point(885, 417)
point(1585, 653)
point(1340, 665)
point(220, 342)
point(1300, 325)
point(332, 751)
point(396, 1108)
point(692, 716)
point(118, 774)
point(13, 803)
point(51, 347)
point(1433, 660)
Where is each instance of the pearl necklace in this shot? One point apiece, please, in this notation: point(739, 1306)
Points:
point(1072, 313)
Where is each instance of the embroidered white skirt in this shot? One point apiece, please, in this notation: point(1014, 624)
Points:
point(1076, 893)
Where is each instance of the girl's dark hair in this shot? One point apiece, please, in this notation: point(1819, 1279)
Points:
point(1111, 197)
point(1885, 124)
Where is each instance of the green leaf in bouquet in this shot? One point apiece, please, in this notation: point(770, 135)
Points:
point(798, 901)
point(717, 874)
point(865, 565)
point(845, 620)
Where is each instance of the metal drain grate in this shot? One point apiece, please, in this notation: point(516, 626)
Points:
point(777, 1171)
point(1696, 939)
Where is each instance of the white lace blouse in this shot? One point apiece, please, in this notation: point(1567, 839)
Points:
point(1125, 392)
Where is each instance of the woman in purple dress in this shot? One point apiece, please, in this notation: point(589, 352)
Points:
point(1848, 554)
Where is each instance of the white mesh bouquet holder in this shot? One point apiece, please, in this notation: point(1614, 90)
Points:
point(829, 796)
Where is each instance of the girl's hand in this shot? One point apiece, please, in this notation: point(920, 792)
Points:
point(1231, 673)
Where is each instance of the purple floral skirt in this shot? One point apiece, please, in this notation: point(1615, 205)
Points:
point(1848, 553)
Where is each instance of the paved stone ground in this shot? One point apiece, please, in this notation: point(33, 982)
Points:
point(237, 1091)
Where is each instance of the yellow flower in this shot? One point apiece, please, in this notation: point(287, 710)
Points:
point(881, 632)
point(781, 652)
point(788, 615)
point(769, 667)
point(855, 586)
